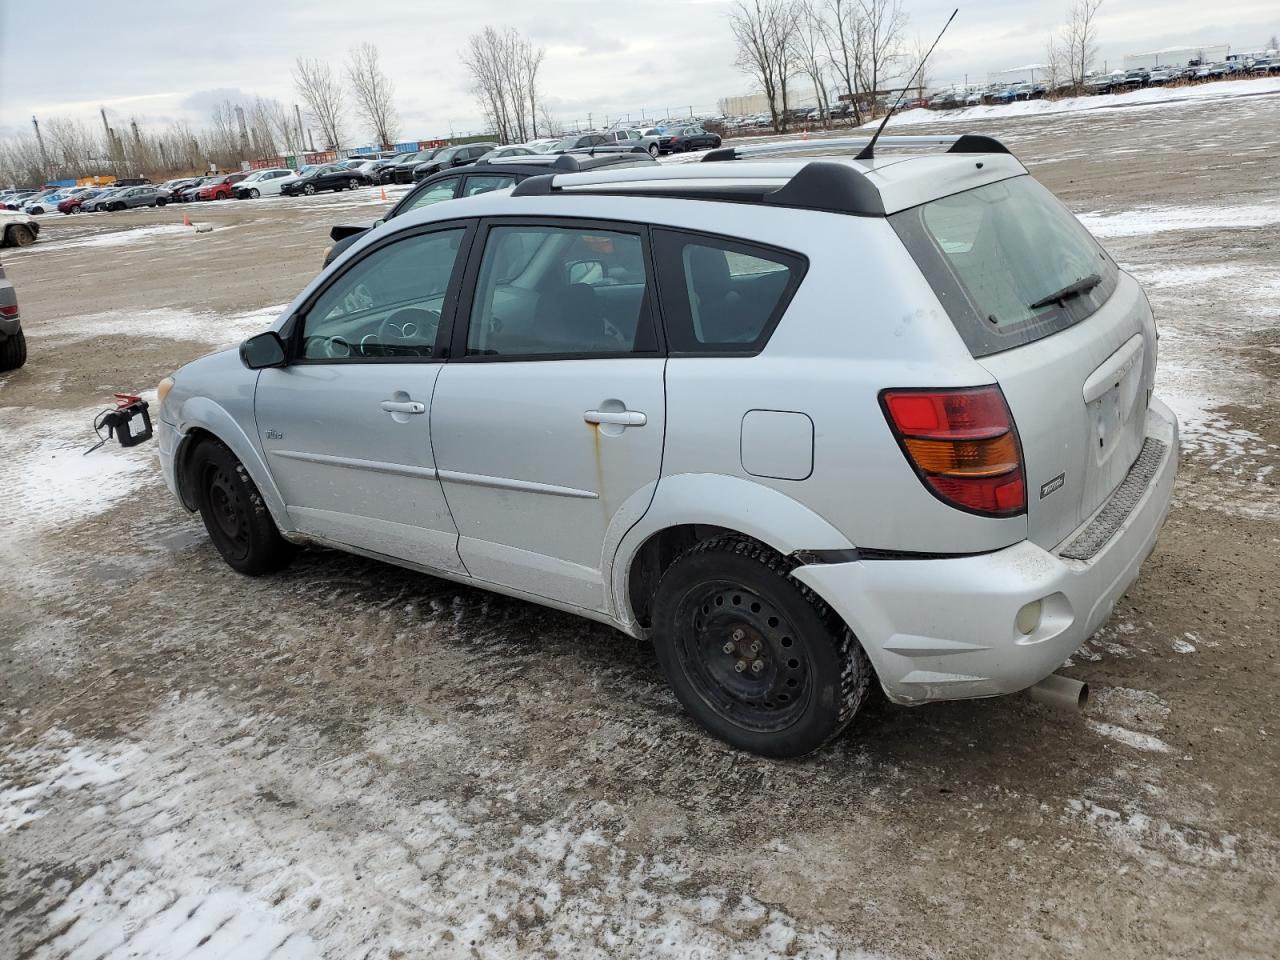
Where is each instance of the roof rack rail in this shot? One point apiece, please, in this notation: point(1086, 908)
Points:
point(956, 143)
point(833, 187)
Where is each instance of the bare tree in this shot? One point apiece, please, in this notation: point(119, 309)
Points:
point(325, 96)
point(1082, 39)
point(844, 37)
point(883, 23)
point(917, 62)
point(1056, 69)
point(504, 67)
point(809, 58)
point(763, 31)
point(373, 92)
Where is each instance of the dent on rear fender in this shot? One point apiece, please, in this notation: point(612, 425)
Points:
point(734, 503)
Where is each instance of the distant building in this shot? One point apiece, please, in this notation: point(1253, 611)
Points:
point(746, 106)
point(1177, 56)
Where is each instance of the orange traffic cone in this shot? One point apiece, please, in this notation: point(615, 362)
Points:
point(384, 193)
point(186, 219)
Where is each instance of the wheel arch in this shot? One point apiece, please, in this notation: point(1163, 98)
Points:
point(201, 418)
point(690, 508)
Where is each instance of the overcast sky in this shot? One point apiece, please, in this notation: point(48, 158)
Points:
point(165, 59)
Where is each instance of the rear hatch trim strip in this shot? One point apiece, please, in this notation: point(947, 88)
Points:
point(1086, 544)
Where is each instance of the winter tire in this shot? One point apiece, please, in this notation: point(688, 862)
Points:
point(754, 655)
point(253, 193)
point(21, 235)
point(13, 351)
point(234, 513)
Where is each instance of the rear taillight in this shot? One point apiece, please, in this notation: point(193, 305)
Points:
point(9, 311)
point(964, 446)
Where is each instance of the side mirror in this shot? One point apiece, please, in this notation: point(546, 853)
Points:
point(379, 222)
point(262, 351)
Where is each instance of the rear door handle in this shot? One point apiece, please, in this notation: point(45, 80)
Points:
point(623, 418)
point(403, 406)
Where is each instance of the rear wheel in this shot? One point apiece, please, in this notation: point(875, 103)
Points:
point(653, 150)
point(161, 201)
point(755, 656)
point(352, 184)
point(21, 235)
point(234, 513)
point(13, 351)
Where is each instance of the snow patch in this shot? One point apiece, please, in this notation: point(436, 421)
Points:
point(1130, 738)
point(48, 478)
point(1151, 97)
point(215, 329)
point(1151, 220)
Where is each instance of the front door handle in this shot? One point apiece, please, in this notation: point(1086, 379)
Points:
point(623, 418)
point(403, 406)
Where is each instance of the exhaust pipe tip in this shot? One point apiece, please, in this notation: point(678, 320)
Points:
point(1061, 692)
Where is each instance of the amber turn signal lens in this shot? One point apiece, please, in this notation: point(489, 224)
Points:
point(965, 458)
point(163, 389)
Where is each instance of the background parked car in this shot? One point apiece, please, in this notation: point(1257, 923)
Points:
point(263, 183)
point(72, 204)
point(129, 197)
point(578, 141)
point(635, 138)
point(221, 188)
point(402, 168)
point(451, 157)
point(692, 137)
point(191, 191)
point(99, 200)
point(476, 178)
point(511, 150)
point(43, 202)
point(328, 177)
point(13, 342)
point(17, 229)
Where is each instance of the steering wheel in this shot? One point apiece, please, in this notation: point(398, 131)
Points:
point(412, 324)
point(337, 348)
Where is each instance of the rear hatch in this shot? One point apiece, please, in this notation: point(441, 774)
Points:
point(1067, 335)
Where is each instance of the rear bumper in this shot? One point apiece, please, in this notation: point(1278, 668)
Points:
point(945, 629)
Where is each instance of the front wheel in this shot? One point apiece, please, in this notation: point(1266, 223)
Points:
point(309, 189)
point(754, 655)
point(21, 235)
point(234, 513)
point(253, 193)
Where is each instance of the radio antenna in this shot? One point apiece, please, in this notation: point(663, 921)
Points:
point(868, 152)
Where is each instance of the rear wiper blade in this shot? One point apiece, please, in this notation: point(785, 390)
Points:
point(1081, 286)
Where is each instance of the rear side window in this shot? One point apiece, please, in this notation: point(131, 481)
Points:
point(720, 295)
point(997, 255)
point(485, 184)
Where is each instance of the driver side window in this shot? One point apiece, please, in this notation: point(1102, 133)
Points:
point(387, 305)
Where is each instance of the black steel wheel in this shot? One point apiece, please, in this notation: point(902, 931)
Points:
point(234, 513)
point(754, 655)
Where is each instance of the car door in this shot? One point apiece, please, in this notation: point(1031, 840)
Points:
point(548, 422)
point(345, 425)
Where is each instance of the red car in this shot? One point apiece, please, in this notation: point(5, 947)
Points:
point(221, 188)
point(72, 204)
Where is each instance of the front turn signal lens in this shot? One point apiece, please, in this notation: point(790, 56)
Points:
point(162, 390)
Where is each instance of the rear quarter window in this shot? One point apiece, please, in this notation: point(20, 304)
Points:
point(992, 256)
point(720, 295)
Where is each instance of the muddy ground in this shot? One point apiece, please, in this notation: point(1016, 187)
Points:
point(348, 760)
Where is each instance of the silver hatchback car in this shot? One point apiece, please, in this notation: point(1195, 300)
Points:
point(804, 422)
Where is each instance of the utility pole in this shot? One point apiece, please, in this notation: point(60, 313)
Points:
point(311, 133)
point(44, 156)
point(302, 141)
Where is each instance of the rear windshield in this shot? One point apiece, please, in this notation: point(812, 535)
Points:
point(995, 255)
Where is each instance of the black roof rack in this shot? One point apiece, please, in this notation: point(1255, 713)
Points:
point(835, 187)
point(961, 143)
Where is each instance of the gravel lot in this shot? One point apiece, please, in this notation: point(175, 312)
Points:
point(348, 760)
